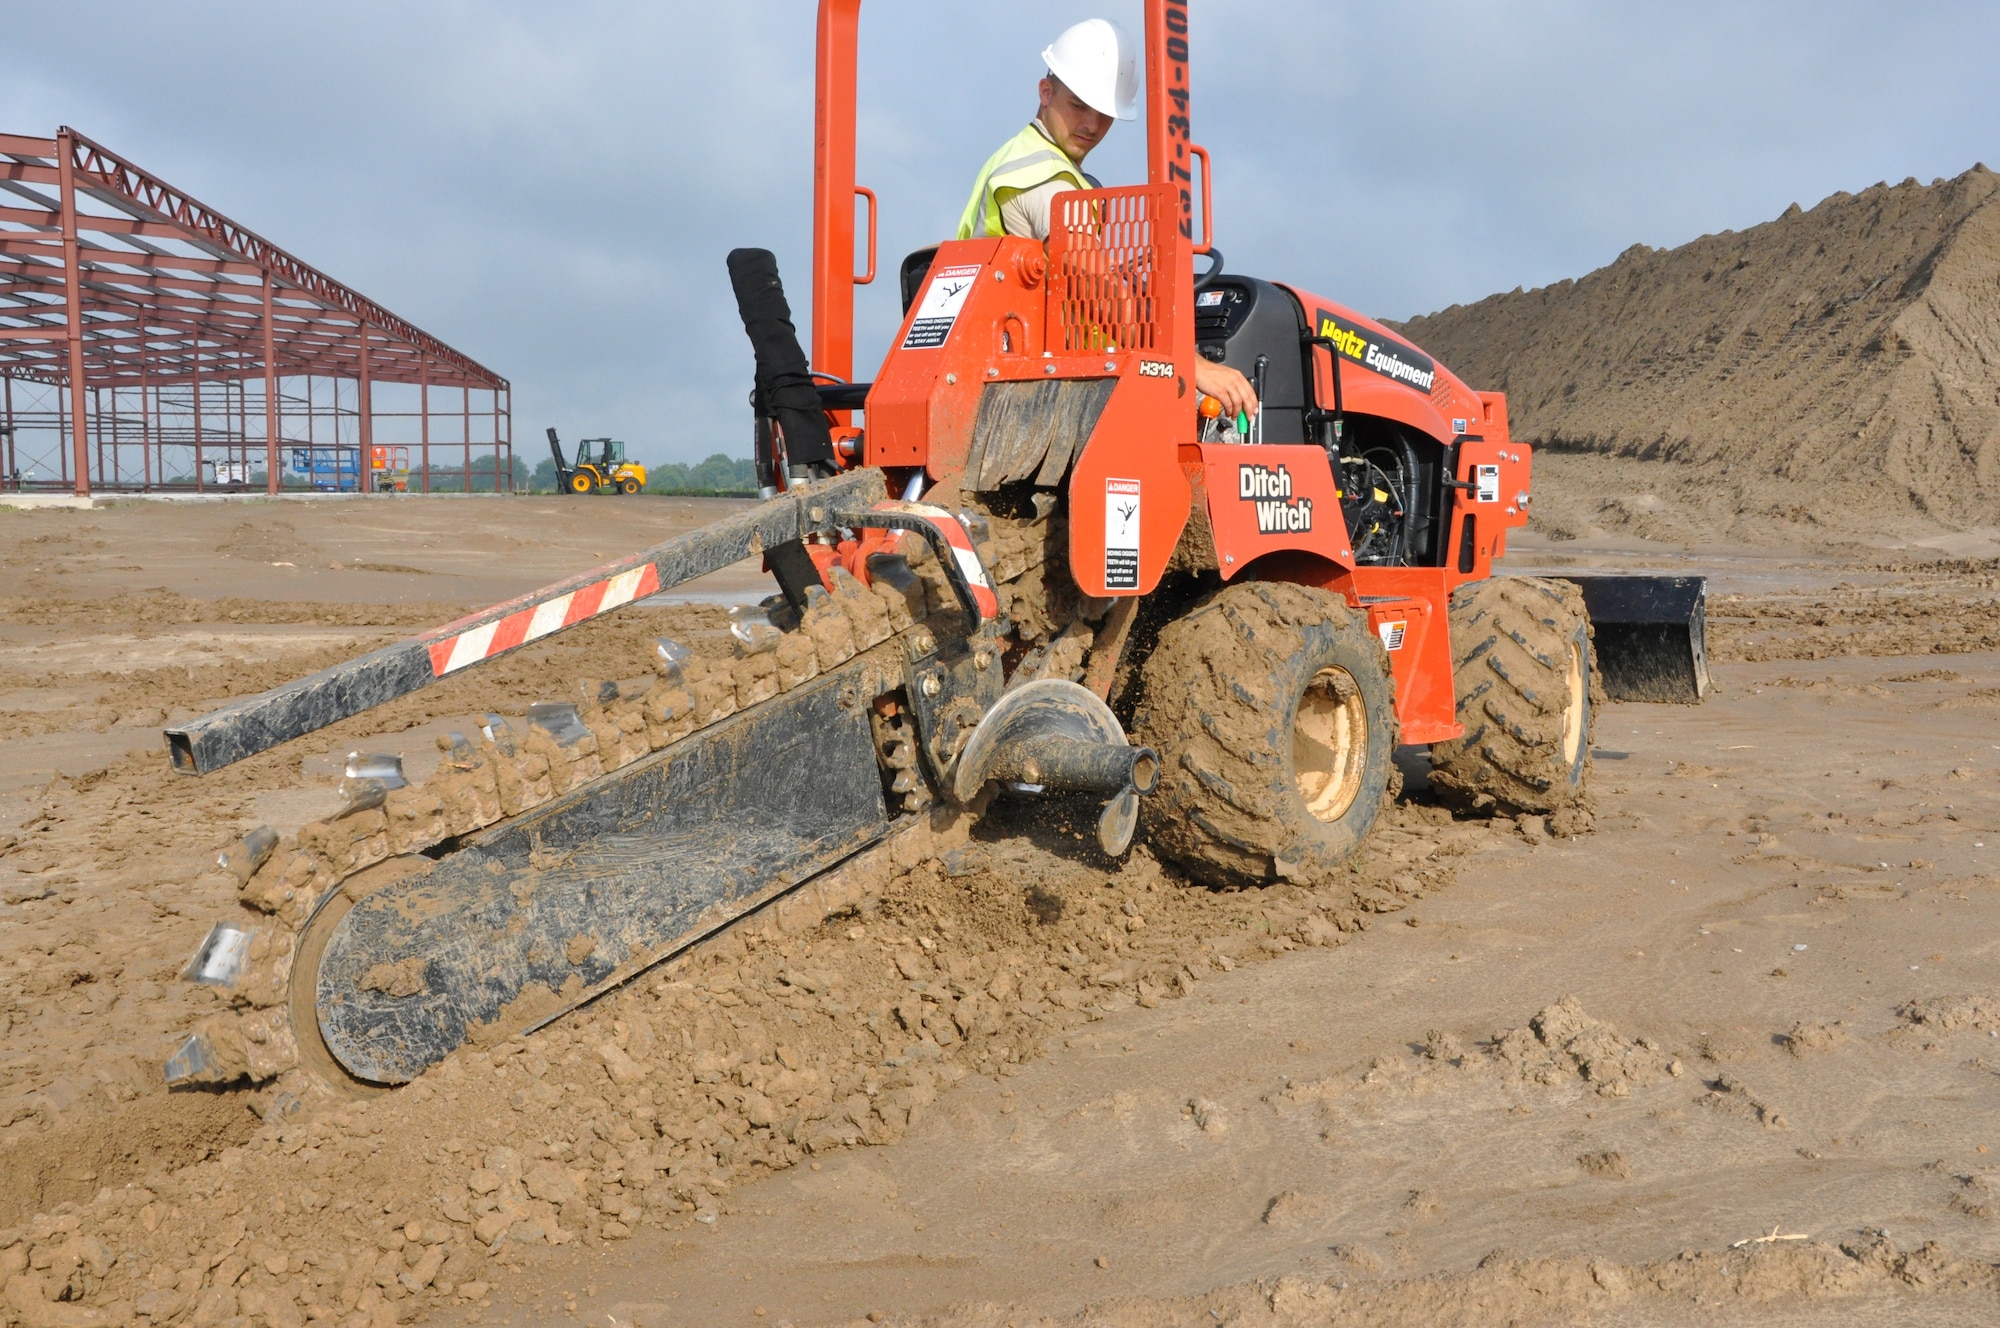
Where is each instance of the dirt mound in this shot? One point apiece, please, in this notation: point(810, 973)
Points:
point(1561, 1047)
point(1833, 373)
point(1949, 1014)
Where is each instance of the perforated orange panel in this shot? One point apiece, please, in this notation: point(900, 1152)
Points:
point(1105, 252)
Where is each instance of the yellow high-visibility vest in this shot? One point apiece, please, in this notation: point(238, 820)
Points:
point(1028, 159)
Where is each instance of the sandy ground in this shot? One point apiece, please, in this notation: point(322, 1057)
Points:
point(1491, 1077)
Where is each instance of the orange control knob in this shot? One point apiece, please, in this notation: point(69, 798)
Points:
point(1211, 407)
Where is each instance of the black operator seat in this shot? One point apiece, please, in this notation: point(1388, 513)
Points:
point(1236, 320)
point(854, 396)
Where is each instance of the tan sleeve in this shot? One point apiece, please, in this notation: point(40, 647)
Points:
point(1026, 211)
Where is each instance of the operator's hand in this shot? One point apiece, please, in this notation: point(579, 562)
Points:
point(1226, 385)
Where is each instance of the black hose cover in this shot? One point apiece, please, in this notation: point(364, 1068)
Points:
point(785, 389)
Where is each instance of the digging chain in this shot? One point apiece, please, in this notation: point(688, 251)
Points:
point(503, 773)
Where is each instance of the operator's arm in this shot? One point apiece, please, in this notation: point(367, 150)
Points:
point(1226, 385)
point(1027, 211)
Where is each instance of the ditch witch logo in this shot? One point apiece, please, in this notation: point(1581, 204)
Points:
point(1271, 490)
point(1392, 359)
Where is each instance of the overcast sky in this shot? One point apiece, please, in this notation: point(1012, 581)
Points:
point(551, 188)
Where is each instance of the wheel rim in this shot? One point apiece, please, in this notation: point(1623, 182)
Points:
point(1573, 714)
point(1330, 743)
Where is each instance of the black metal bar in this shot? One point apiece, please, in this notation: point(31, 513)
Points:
point(931, 536)
point(257, 723)
point(795, 571)
point(1339, 407)
point(844, 396)
point(1066, 764)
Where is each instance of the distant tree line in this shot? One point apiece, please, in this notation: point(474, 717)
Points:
point(451, 479)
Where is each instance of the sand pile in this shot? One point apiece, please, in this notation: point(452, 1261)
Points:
point(1563, 1046)
point(1834, 373)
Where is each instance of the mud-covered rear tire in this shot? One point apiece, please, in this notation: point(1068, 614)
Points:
point(1526, 678)
point(1273, 712)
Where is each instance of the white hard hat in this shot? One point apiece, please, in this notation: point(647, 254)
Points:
point(1095, 60)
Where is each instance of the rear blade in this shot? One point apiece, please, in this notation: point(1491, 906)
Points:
point(1649, 634)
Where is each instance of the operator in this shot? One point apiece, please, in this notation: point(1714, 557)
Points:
point(1092, 80)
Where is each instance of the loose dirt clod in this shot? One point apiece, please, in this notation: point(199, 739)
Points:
point(1805, 1039)
point(1949, 1014)
point(1608, 1165)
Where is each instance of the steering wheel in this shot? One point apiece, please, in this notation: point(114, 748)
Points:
point(1214, 268)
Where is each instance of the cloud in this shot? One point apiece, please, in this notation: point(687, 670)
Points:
point(552, 188)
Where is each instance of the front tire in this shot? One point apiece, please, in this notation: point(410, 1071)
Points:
point(1525, 673)
point(581, 483)
point(1273, 712)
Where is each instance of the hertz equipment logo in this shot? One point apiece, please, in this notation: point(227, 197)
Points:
point(1371, 350)
point(1270, 488)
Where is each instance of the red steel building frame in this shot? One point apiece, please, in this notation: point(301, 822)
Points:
point(133, 317)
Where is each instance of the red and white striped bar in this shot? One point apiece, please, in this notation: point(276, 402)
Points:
point(550, 616)
point(254, 724)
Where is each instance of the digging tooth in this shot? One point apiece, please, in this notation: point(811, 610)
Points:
point(897, 587)
point(610, 739)
point(248, 965)
point(714, 695)
point(416, 820)
point(670, 659)
point(867, 614)
point(196, 1060)
point(798, 661)
point(459, 754)
point(669, 712)
point(361, 795)
point(246, 855)
point(283, 886)
point(629, 717)
point(752, 630)
point(498, 732)
point(224, 1048)
point(756, 679)
point(349, 842)
point(831, 633)
point(569, 763)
